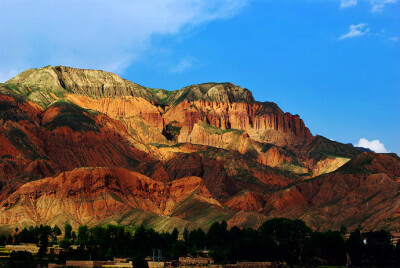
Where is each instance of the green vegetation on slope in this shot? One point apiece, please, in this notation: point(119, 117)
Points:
point(268, 107)
point(214, 130)
point(72, 116)
point(171, 131)
point(21, 141)
point(322, 147)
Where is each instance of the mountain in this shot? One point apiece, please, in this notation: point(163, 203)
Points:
point(88, 147)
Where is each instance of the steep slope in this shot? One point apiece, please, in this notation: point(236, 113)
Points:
point(364, 194)
point(75, 137)
point(157, 115)
point(207, 151)
point(37, 143)
point(62, 80)
point(225, 172)
point(57, 82)
point(264, 122)
point(90, 195)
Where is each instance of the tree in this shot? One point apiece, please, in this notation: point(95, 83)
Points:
point(174, 234)
point(355, 247)
point(65, 243)
point(217, 235)
point(67, 231)
point(186, 235)
point(73, 236)
point(43, 240)
point(3, 240)
point(397, 253)
point(56, 230)
point(290, 236)
point(139, 261)
point(83, 235)
point(10, 240)
point(21, 259)
point(379, 248)
point(329, 247)
point(27, 236)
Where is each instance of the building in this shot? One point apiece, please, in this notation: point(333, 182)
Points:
point(116, 263)
point(198, 261)
point(32, 248)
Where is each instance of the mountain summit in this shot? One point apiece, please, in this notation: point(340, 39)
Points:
point(88, 147)
point(62, 80)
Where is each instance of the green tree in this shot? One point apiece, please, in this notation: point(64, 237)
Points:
point(289, 235)
point(186, 235)
point(355, 247)
point(10, 240)
point(330, 247)
point(67, 231)
point(139, 261)
point(379, 248)
point(397, 253)
point(83, 236)
point(56, 230)
point(174, 235)
point(3, 240)
point(21, 259)
point(43, 240)
point(217, 235)
point(220, 254)
point(65, 243)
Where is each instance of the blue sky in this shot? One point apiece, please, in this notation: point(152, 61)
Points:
point(336, 63)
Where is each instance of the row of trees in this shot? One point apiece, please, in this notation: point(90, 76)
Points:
point(289, 241)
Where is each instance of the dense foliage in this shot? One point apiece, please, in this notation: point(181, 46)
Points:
point(290, 241)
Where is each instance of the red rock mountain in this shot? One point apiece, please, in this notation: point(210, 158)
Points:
point(88, 147)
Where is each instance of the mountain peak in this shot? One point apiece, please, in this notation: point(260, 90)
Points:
point(62, 80)
point(213, 92)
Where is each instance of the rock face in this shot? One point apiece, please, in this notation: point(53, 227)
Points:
point(222, 105)
point(264, 122)
point(89, 147)
point(93, 83)
point(89, 195)
point(62, 137)
point(354, 196)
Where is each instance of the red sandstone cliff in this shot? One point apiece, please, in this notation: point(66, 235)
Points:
point(204, 152)
point(89, 195)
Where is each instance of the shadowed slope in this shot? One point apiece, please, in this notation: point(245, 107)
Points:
point(343, 198)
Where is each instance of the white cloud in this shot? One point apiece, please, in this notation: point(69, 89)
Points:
point(393, 39)
point(96, 34)
point(181, 66)
point(379, 5)
point(374, 145)
point(355, 31)
point(348, 3)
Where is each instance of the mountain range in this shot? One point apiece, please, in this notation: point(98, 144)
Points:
point(88, 147)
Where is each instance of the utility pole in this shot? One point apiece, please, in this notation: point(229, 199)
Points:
point(158, 258)
point(154, 256)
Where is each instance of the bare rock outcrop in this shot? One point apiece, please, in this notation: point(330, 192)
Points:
point(88, 195)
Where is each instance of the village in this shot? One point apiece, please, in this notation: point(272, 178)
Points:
point(152, 262)
point(277, 243)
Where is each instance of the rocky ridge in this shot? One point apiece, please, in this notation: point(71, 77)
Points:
point(205, 152)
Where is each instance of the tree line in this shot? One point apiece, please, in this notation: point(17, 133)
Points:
point(284, 240)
